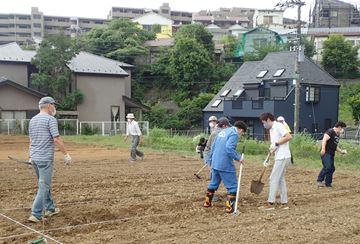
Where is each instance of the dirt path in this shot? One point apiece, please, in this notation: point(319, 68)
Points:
point(159, 200)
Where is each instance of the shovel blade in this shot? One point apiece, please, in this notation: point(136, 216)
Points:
point(256, 187)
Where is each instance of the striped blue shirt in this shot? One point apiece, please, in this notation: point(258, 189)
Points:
point(42, 130)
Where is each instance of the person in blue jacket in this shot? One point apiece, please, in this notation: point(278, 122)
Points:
point(222, 156)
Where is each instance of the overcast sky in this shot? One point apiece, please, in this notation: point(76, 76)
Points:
point(101, 8)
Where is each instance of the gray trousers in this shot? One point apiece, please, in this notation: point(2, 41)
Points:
point(277, 180)
point(133, 150)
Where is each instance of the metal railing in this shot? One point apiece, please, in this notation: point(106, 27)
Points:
point(73, 127)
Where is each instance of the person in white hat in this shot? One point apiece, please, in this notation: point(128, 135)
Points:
point(281, 120)
point(133, 130)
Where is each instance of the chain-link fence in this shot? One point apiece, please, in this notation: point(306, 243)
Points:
point(109, 128)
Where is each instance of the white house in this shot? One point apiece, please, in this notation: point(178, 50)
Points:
point(148, 20)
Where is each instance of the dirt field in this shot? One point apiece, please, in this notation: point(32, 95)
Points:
point(106, 199)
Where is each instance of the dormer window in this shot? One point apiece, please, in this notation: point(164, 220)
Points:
point(216, 103)
point(225, 93)
point(279, 72)
point(238, 92)
point(262, 74)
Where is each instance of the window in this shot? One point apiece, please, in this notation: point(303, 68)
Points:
point(37, 16)
point(85, 21)
point(216, 103)
point(279, 72)
point(37, 33)
point(325, 13)
point(63, 20)
point(237, 104)
point(334, 13)
point(4, 26)
point(36, 25)
point(24, 26)
point(268, 20)
point(262, 74)
point(225, 93)
point(238, 92)
point(99, 22)
point(312, 94)
point(24, 17)
point(267, 92)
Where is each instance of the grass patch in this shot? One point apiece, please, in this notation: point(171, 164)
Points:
point(305, 150)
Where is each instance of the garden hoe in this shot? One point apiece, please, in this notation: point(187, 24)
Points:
point(20, 161)
point(197, 174)
point(256, 185)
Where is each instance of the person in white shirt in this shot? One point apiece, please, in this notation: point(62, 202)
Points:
point(280, 138)
point(133, 130)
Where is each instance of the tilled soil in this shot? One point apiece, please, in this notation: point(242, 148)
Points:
point(105, 198)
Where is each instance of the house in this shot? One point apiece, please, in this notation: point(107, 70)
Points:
point(105, 83)
point(270, 18)
point(256, 37)
point(217, 32)
point(319, 35)
point(149, 20)
point(18, 101)
point(268, 86)
point(334, 13)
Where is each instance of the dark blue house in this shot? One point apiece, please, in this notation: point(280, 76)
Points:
point(269, 86)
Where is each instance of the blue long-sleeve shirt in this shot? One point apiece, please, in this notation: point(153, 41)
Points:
point(223, 151)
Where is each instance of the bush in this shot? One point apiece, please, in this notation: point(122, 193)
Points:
point(89, 131)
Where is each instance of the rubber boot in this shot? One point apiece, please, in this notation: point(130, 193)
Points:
point(208, 198)
point(230, 203)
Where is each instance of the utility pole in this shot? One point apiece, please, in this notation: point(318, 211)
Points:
point(298, 4)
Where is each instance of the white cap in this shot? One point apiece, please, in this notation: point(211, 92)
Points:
point(130, 116)
point(280, 118)
point(213, 118)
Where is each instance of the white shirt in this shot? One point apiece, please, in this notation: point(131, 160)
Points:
point(133, 129)
point(277, 132)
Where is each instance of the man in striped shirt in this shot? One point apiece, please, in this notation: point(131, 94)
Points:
point(133, 130)
point(44, 133)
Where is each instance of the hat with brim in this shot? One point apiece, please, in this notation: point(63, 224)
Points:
point(47, 100)
point(130, 116)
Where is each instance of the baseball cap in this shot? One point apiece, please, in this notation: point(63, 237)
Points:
point(223, 121)
point(213, 118)
point(47, 100)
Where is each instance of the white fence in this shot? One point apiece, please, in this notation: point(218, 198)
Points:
point(109, 128)
point(73, 127)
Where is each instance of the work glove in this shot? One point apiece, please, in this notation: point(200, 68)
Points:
point(266, 163)
point(67, 159)
point(197, 149)
point(343, 151)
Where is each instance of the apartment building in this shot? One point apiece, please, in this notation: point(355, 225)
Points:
point(24, 28)
point(178, 17)
point(334, 13)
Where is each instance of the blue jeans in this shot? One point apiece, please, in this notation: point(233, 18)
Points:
point(44, 172)
point(229, 179)
point(328, 169)
point(133, 150)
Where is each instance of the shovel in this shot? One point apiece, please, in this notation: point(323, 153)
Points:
point(256, 185)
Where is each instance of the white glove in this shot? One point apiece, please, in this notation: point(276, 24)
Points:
point(67, 159)
point(343, 151)
point(266, 163)
point(273, 147)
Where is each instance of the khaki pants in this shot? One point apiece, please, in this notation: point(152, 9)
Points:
point(277, 180)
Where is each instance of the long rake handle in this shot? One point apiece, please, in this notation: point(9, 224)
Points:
point(239, 183)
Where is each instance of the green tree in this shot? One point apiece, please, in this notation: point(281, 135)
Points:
point(189, 65)
point(121, 40)
point(199, 33)
point(260, 51)
point(229, 42)
point(354, 102)
point(339, 57)
point(53, 76)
